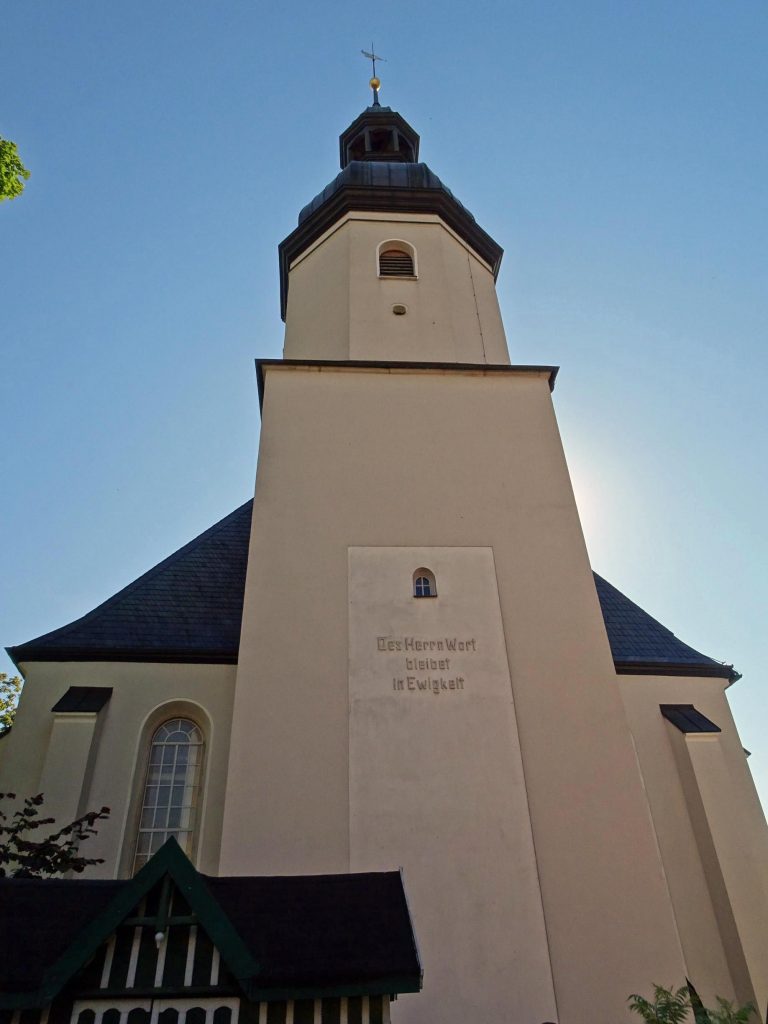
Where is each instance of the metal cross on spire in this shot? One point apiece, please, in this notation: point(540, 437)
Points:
point(374, 82)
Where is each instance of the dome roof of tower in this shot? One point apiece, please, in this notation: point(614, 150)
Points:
point(383, 186)
point(380, 174)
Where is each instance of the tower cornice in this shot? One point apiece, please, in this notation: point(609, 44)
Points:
point(355, 190)
point(400, 366)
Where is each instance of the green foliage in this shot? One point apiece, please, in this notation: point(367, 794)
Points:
point(13, 173)
point(668, 1006)
point(56, 854)
point(727, 1013)
point(671, 1007)
point(10, 688)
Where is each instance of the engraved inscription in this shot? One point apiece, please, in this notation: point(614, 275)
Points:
point(412, 643)
point(417, 672)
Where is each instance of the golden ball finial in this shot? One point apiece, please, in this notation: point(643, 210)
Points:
point(374, 83)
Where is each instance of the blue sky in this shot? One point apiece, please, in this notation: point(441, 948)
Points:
point(617, 150)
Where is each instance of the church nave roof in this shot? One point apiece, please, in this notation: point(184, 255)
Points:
point(189, 607)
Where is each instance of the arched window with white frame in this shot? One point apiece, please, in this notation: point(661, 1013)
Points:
point(172, 786)
point(424, 583)
point(395, 258)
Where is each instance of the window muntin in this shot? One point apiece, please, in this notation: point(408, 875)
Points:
point(171, 789)
point(424, 584)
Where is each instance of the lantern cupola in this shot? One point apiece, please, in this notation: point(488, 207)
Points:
point(379, 133)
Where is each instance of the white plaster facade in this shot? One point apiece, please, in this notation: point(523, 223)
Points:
point(340, 308)
point(96, 764)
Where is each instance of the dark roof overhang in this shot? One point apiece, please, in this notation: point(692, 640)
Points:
point(701, 670)
point(31, 651)
point(83, 700)
point(361, 187)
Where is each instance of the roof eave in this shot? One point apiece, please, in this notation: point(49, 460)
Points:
point(666, 668)
point(23, 654)
point(378, 199)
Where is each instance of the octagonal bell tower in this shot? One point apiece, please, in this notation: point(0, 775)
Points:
point(386, 263)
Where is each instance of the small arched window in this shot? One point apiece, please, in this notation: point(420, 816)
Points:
point(424, 584)
point(397, 259)
point(171, 790)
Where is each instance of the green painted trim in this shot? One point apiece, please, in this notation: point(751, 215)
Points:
point(169, 860)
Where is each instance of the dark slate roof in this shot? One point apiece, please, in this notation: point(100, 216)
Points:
point(380, 174)
point(639, 643)
point(688, 719)
point(321, 930)
point(325, 933)
point(39, 921)
point(80, 699)
point(189, 607)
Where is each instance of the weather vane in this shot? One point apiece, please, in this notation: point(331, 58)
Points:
point(374, 82)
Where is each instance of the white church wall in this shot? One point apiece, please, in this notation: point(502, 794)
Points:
point(339, 307)
point(353, 458)
point(317, 318)
point(65, 772)
point(711, 833)
point(116, 765)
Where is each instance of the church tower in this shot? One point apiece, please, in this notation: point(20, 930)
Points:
point(396, 655)
point(424, 676)
point(386, 264)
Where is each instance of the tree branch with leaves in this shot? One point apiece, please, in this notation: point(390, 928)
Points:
point(56, 854)
point(13, 173)
point(10, 688)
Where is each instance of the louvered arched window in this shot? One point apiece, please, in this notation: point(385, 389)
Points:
point(171, 789)
point(397, 259)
